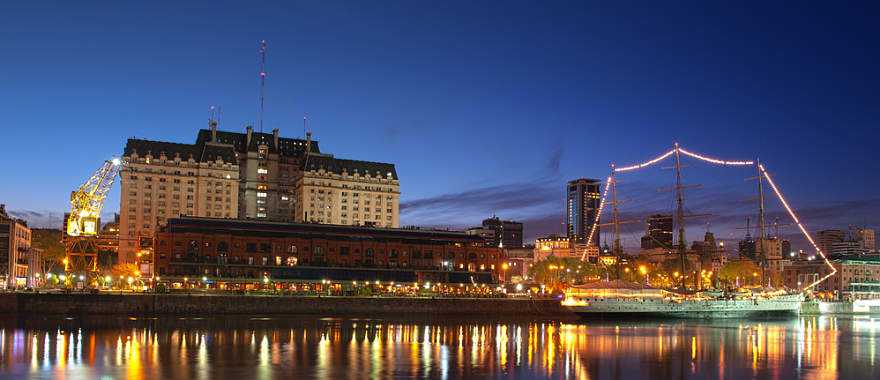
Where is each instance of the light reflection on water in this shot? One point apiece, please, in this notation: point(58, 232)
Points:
point(307, 347)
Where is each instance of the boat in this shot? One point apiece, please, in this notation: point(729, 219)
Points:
point(621, 299)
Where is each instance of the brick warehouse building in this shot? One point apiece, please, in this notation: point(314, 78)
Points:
point(239, 249)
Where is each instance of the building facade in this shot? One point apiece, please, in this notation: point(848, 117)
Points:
point(268, 166)
point(553, 245)
point(250, 175)
point(347, 192)
point(826, 238)
point(582, 205)
point(658, 232)
point(165, 180)
point(500, 233)
point(15, 251)
point(251, 249)
point(853, 272)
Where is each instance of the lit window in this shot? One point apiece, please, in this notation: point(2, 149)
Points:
point(262, 171)
point(261, 194)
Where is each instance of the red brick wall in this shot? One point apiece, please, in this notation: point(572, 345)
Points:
point(170, 246)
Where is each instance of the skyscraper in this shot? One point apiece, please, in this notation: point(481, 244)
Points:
point(582, 204)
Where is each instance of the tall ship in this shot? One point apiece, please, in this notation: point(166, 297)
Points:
point(617, 298)
point(624, 298)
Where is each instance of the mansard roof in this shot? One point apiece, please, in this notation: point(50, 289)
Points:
point(338, 165)
point(198, 152)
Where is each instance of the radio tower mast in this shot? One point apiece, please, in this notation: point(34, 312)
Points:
point(263, 48)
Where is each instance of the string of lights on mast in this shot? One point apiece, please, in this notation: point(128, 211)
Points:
point(761, 169)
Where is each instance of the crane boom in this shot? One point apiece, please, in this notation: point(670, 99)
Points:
point(87, 201)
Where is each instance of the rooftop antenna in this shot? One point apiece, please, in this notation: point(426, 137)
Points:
point(263, 47)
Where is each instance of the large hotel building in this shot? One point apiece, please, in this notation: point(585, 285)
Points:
point(251, 175)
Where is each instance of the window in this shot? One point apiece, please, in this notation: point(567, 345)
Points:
point(261, 194)
point(291, 261)
point(262, 171)
point(278, 261)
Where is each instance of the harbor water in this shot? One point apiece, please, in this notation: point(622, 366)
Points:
point(809, 347)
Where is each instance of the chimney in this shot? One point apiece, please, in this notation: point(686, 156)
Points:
point(250, 134)
point(275, 137)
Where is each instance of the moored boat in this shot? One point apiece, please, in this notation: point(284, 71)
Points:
point(618, 298)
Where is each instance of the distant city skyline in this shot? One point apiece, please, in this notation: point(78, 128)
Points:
point(484, 109)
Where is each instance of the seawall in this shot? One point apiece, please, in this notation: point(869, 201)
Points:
point(195, 304)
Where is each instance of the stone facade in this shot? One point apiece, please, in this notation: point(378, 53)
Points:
point(348, 192)
point(166, 180)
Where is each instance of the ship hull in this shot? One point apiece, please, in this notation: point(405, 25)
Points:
point(780, 307)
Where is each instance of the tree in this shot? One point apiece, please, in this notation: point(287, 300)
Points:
point(557, 272)
point(745, 270)
point(124, 270)
point(48, 240)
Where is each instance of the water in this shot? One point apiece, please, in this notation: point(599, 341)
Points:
point(309, 347)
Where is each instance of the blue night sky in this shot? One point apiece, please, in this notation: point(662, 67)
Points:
point(485, 107)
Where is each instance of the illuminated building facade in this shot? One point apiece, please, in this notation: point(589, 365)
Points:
point(854, 272)
point(164, 180)
point(348, 192)
point(553, 245)
point(15, 251)
point(581, 208)
point(245, 249)
point(268, 166)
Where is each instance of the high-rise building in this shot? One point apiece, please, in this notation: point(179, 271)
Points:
point(826, 238)
point(581, 207)
point(348, 192)
point(500, 233)
point(163, 180)
point(658, 233)
point(15, 251)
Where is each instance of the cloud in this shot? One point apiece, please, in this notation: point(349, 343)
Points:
point(47, 219)
point(39, 219)
point(516, 200)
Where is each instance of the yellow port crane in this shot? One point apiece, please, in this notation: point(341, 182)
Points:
point(82, 224)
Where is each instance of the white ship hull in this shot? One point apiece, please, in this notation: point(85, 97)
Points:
point(784, 305)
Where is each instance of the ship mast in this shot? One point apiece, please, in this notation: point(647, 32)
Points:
point(679, 213)
point(615, 215)
point(759, 248)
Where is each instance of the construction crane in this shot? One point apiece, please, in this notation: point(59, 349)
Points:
point(82, 224)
